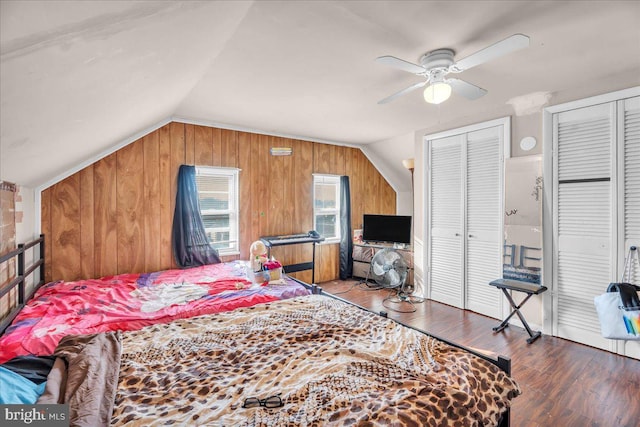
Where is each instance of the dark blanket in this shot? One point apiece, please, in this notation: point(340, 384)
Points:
point(33, 368)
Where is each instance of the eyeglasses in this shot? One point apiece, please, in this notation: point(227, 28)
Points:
point(269, 402)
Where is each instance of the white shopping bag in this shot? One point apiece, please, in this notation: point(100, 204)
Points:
point(616, 322)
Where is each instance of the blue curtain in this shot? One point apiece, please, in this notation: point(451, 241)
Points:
point(346, 242)
point(191, 246)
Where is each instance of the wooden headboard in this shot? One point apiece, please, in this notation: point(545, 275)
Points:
point(19, 281)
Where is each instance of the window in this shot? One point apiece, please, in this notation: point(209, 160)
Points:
point(326, 206)
point(218, 195)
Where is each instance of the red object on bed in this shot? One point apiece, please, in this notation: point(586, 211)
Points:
point(131, 301)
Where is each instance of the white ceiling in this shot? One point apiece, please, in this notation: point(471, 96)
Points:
point(80, 77)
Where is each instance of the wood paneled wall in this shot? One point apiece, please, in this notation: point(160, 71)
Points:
point(115, 215)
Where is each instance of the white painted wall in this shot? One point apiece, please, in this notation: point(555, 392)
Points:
point(387, 156)
point(404, 203)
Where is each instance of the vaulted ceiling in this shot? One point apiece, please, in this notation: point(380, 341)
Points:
point(79, 77)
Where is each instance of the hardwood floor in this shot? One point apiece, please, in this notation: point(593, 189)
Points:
point(564, 384)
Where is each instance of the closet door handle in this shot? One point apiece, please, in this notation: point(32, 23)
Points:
point(471, 236)
point(457, 234)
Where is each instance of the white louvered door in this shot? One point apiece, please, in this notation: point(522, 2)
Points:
point(446, 218)
point(630, 124)
point(629, 218)
point(596, 213)
point(465, 219)
point(484, 220)
point(582, 220)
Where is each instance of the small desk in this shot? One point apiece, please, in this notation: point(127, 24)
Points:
point(519, 286)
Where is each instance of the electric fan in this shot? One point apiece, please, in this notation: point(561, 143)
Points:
point(389, 270)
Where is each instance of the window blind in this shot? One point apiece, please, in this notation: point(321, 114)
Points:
point(218, 197)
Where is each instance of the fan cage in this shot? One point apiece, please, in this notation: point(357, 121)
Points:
point(389, 270)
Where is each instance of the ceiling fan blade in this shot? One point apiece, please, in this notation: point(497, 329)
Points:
point(508, 45)
point(400, 64)
point(402, 92)
point(466, 89)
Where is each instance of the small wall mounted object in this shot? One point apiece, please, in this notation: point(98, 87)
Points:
point(281, 151)
point(528, 143)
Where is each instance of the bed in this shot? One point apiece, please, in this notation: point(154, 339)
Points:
point(131, 301)
point(307, 360)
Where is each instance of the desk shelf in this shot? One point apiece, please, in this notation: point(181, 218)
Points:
point(363, 254)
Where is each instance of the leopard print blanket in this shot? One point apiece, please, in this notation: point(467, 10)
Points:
point(331, 364)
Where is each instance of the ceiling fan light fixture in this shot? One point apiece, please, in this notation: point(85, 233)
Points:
point(437, 93)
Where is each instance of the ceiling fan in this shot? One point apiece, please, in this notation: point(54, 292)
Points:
point(435, 65)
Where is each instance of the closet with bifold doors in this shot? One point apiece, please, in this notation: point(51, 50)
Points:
point(592, 177)
point(464, 221)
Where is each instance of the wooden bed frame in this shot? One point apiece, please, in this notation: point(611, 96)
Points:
point(504, 363)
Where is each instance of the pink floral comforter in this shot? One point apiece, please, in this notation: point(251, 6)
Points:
point(131, 301)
